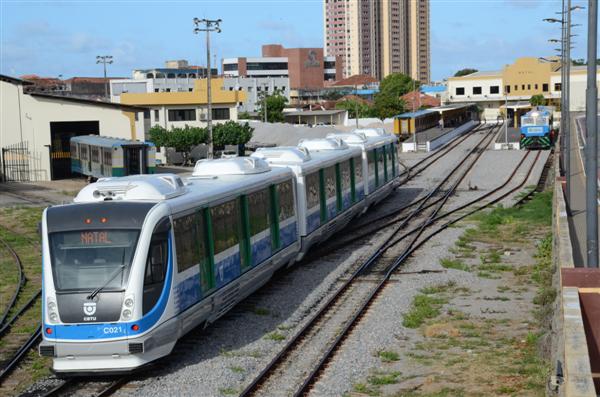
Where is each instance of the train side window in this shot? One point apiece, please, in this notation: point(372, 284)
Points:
point(74, 154)
point(226, 225)
point(259, 211)
point(285, 191)
point(330, 182)
point(312, 190)
point(358, 171)
point(186, 237)
point(346, 181)
point(84, 152)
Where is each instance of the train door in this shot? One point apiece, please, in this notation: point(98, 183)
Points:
point(156, 266)
point(134, 159)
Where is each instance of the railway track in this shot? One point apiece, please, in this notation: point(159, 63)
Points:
point(20, 283)
point(313, 376)
point(112, 386)
point(367, 228)
point(332, 316)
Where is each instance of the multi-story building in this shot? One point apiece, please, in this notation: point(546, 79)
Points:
point(256, 89)
point(306, 68)
point(176, 109)
point(379, 37)
point(517, 83)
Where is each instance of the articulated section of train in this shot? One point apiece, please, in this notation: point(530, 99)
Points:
point(136, 262)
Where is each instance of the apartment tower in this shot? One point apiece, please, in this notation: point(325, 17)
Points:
point(379, 37)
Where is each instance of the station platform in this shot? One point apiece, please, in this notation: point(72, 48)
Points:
point(514, 136)
point(433, 138)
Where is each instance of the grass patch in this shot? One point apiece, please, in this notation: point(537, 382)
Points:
point(454, 264)
point(438, 289)
point(237, 370)
point(228, 391)
point(384, 379)
point(424, 307)
point(388, 356)
point(276, 336)
point(364, 389)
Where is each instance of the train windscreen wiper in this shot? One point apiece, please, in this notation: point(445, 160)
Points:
point(111, 278)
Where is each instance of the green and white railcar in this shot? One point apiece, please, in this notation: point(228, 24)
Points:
point(102, 157)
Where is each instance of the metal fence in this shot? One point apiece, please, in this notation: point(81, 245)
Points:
point(15, 163)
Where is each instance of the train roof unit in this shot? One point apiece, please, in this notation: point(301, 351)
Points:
point(367, 138)
point(105, 141)
point(211, 179)
point(309, 155)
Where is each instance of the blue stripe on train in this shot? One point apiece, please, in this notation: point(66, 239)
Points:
point(227, 270)
point(261, 250)
point(288, 234)
point(313, 221)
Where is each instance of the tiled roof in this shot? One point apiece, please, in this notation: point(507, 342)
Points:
point(357, 79)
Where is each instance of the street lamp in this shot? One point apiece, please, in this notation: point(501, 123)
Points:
point(104, 60)
point(208, 25)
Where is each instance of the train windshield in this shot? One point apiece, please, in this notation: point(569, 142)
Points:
point(88, 259)
point(535, 120)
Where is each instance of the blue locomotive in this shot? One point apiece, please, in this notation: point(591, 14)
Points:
point(536, 129)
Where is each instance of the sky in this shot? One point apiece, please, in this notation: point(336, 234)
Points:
point(52, 38)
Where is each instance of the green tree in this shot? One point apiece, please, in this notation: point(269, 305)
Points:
point(352, 104)
point(245, 116)
point(464, 72)
point(275, 104)
point(181, 139)
point(537, 100)
point(397, 84)
point(386, 106)
point(231, 133)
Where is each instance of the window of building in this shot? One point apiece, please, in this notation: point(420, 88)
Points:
point(266, 65)
point(476, 90)
point(495, 89)
point(557, 87)
point(149, 75)
point(535, 86)
point(167, 90)
point(329, 65)
point(516, 87)
point(192, 75)
point(156, 90)
point(160, 75)
point(190, 89)
point(528, 86)
point(170, 75)
point(545, 87)
point(507, 88)
point(220, 114)
point(156, 115)
point(182, 114)
point(523, 87)
point(460, 90)
point(228, 67)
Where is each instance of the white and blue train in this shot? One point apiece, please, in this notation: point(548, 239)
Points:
point(138, 261)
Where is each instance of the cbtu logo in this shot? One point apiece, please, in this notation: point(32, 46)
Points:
point(89, 308)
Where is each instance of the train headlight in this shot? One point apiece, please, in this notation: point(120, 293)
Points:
point(126, 314)
point(127, 311)
point(52, 310)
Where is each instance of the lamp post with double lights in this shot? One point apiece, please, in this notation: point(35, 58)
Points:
point(104, 60)
point(208, 25)
point(565, 53)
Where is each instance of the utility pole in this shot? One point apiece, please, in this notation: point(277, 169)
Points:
point(591, 155)
point(565, 88)
point(209, 25)
point(265, 101)
point(104, 60)
point(506, 121)
point(356, 105)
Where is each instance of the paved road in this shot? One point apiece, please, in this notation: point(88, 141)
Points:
point(576, 200)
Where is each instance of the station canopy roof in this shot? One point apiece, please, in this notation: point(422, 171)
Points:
point(418, 113)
